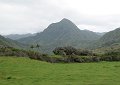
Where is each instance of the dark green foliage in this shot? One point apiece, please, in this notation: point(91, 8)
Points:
point(71, 51)
point(37, 46)
point(31, 46)
point(72, 54)
point(9, 51)
point(38, 56)
point(9, 77)
point(80, 59)
point(96, 59)
point(111, 56)
point(65, 50)
point(84, 52)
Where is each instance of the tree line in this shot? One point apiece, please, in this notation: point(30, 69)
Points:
point(67, 55)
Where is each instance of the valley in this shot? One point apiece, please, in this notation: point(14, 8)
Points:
point(62, 54)
point(59, 42)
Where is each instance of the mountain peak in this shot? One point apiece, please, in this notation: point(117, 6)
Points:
point(64, 25)
point(65, 20)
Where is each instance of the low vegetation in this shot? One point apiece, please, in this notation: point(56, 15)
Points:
point(10, 51)
point(66, 55)
point(111, 56)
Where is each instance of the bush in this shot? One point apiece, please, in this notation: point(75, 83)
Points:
point(64, 50)
point(111, 56)
point(71, 51)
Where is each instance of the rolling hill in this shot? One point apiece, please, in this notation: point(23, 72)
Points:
point(18, 36)
point(110, 37)
point(11, 43)
point(108, 42)
point(63, 33)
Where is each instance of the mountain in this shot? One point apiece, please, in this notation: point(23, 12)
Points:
point(11, 43)
point(110, 37)
point(63, 33)
point(108, 42)
point(18, 36)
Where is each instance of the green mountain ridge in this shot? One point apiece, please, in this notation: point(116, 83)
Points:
point(111, 37)
point(108, 42)
point(18, 36)
point(11, 43)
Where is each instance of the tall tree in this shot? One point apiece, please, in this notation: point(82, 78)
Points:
point(31, 46)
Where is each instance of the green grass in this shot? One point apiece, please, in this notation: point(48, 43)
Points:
point(24, 71)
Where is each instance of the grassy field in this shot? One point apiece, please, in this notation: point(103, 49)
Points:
point(24, 71)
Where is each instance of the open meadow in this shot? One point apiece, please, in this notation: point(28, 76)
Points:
point(24, 71)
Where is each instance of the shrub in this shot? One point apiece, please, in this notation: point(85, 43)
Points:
point(64, 50)
point(71, 51)
point(111, 56)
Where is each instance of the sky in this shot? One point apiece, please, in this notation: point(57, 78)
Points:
point(31, 16)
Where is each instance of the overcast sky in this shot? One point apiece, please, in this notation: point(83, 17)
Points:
point(31, 16)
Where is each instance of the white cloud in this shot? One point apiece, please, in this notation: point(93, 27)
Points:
point(24, 16)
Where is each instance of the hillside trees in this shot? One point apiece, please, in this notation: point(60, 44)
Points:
point(71, 54)
point(113, 55)
point(37, 46)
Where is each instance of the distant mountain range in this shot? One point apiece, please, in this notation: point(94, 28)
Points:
point(18, 36)
point(101, 33)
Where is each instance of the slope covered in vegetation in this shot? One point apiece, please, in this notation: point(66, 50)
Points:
point(108, 42)
point(110, 38)
point(11, 43)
